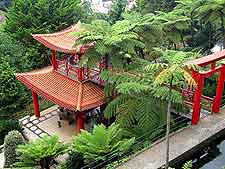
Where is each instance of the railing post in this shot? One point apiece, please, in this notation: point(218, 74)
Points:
point(219, 91)
point(54, 61)
point(197, 98)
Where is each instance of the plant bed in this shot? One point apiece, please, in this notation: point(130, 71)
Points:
point(141, 144)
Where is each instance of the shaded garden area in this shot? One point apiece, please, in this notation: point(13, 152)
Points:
point(145, 47)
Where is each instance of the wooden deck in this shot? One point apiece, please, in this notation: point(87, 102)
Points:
point(180, 143)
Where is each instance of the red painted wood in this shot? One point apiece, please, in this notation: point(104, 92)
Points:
point(36, 104)
point(54, 61)
point(197, 100)
point(219, 91)
point(80, 121)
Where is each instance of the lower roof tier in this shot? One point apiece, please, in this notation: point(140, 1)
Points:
point(65, 92)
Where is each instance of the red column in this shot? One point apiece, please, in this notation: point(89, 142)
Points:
point(219, 91)
point(80, 121)
point(54, 61)
point(197, 99)
point(36, 104)
point(80, 70)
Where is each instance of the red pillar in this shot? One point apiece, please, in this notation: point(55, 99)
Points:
point(80, 70)
point(36, 104)
point(80, 121)
point(197, 99)
point(54, 61)
point(219, 91)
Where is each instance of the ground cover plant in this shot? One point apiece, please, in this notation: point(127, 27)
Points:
point(41, 152)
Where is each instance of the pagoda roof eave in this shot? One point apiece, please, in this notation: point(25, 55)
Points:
point(63, 91)
point(63, 41)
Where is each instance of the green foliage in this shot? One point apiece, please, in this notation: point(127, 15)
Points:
point(41, 152)
point(118, 7)
point(74, 161)
point(7, 126)
point(151, 6)
point(11, 142)
point(14, 52)
point(4, 4)
point(102, 141)
point(26, 17)
point(12, 94)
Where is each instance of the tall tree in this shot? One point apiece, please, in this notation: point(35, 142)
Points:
point(152, 6)
point(213, 11)
point(171, 72)
point(116, 11)
point(26, 17)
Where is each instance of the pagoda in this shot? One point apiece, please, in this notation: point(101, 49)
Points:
point(65, 82)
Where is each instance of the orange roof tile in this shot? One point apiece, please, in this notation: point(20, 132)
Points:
point(63, 41)
point(68, 93)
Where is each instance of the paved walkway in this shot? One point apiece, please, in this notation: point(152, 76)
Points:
point(181, 142)
point(47, 124)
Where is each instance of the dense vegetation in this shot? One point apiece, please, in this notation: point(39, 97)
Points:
point(146, 46)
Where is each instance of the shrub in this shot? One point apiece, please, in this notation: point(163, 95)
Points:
point(41, 152)
point(13, 95)
point(14, 52)
point(11, 142)
point(74, 161)
point(7, 126)
point(96, 145)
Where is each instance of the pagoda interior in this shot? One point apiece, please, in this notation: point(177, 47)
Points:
point(76, 89)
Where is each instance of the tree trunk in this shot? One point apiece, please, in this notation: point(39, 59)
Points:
point(168, 125)
point(182, 39)
point(45, 163)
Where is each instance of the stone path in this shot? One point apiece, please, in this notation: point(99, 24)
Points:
point(47, 124)
point(30, 124)
point(180, 143)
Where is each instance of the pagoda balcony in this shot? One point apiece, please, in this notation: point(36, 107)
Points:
point(75, 72)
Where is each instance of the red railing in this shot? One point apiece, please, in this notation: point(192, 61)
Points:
point(75, 72)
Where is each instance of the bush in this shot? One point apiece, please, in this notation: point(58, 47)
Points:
point(41, 152)
point(6, 126)
point(13, 52)
point(25, 17)
point(13, 96)
point(74, 161)
point(11, 142)
point(95, 146)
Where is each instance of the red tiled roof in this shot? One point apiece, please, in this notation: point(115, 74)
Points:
point(63, 91)
point(203, 61)
point(63, 41)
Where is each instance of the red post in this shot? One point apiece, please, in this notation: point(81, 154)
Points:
point(219, 91)
point(80, 121)
point(36, 104)
point(80, 70)
point(54, 61)
point(197, 99)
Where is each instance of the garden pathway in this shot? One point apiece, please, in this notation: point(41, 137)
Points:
point(180, 143)
point(47, 124)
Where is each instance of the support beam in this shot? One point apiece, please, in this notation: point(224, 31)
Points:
point(197, 99)
point(219, 91)
point(80, 121)
point(36, 104)
point(54, 61)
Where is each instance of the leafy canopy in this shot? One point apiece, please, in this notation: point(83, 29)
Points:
point(102, 141)
point(45, 149)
